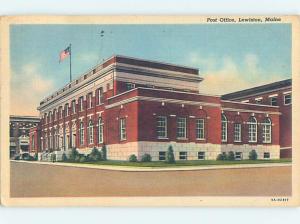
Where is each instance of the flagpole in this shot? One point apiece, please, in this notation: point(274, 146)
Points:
point(70, 64)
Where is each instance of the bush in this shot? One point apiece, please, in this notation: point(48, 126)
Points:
point(82, 159)
point(133, 158)
point(64, 157)
point(253, 155)
point(35, 157)
point(231, 156)
point(53, 157)
point(146, 158)
point(77, 158)
point(95, 155)
point(222, 156)
point(17, 157)
point(103, 152)
point(170, 155)
point(73, 155)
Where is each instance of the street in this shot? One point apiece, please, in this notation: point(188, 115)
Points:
point(36, 180)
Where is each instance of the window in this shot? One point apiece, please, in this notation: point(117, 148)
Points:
point(50, 116)
point(122, 129)
point(80, 103)
point(130, 86)
point(252, 125)
point(273, 101)
point(60, 112)
point(161, 127)
point(258, 100)
point(73, 107)
point(287, 99)
point(67, 110)
point(237, 132)
point(90, 100)
point(181, 127)
point(183, 155)
point(200, 128)
point(267, 130)
point(100, 130)
point(81, 133)
point(238, 156)
point(201, 155)
point(100, 96)
point(224, 128)
point(266, 155)
point(162, 156)
point(91, 132)
point(55, 114)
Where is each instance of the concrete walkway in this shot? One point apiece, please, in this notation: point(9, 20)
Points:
point(155, 169)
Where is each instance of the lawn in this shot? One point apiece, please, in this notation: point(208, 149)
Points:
point(183, 163)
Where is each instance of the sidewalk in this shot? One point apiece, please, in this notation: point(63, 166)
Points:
point(155, 169)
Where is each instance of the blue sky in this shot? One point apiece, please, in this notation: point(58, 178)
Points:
point(229, 57)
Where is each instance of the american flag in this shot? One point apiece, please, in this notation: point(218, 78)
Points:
point(65, 53)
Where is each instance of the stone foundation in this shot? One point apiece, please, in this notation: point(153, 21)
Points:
point(245, 149)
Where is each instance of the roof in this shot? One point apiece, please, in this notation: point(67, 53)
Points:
point(258, 89)
point(18, 118)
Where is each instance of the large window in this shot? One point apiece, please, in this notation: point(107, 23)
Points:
point(287, 99)
point(200, 128)
point(73, 107)
point(100, 130)
point(267, 130)
point(122, 129)
point(91, 132)
point(100, 96)
point(273, 101)
point(66, 110)
point(80, 103)
point(224, 128)
point(181, 127)
point(81, 133)
point(237, 132)
point(252, 129)
point(161, 127)
point(90, 100)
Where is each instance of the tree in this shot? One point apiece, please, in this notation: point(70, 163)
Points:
point(170, 155)
point(95, 155)
point(253, 155)
point(103, 152)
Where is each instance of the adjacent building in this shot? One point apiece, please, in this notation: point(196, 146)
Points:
point(137, 106)
point(19, 133)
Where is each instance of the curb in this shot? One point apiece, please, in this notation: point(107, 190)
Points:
point(156, 169)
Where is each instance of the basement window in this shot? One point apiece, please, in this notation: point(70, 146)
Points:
point(183, 155)
point(266, 155)
point(238, 156)
point(162, 156)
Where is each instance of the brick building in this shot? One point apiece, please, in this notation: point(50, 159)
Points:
point(276, 94)
point(19, 133)
point(136, 106)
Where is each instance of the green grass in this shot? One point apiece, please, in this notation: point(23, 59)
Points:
point(183, 163)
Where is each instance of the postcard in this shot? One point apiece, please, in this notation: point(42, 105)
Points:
point(150, 110)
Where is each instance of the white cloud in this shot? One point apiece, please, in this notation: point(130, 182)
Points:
point(28, 88)
point(224, 75)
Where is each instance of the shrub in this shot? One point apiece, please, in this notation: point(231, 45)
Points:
point(82, 159)
point(253, 155)
point(53, 157)
point(64, 157)
point(170, 155)
point(103, 152)
point(73, 155)
point(231, 156)
point(17, 157)
point(77, 158)
point(95, 155)
point(222, 156)
point(35, 157)
point(133, 158)
point(146, 158)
